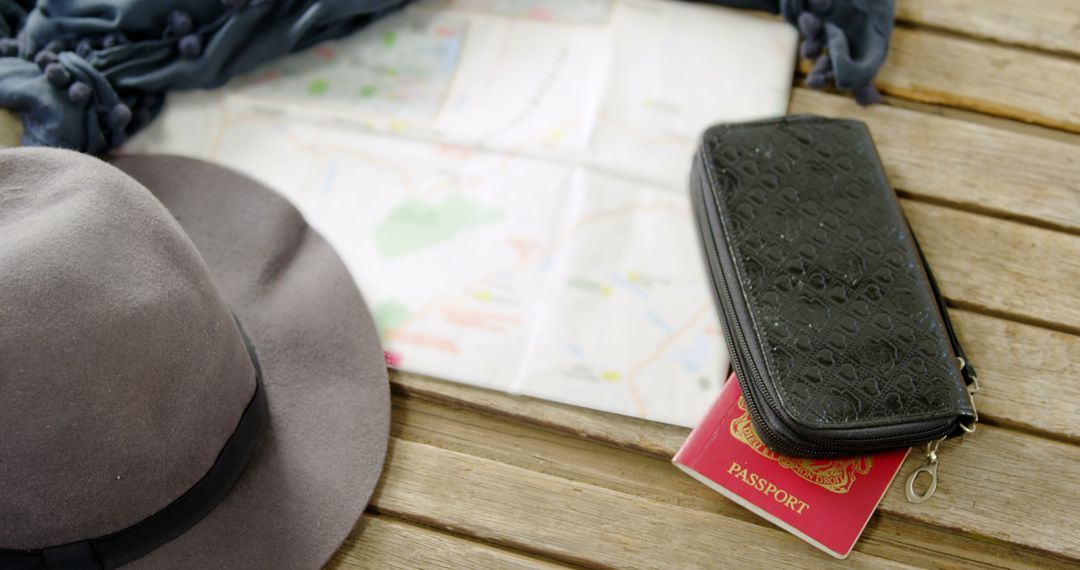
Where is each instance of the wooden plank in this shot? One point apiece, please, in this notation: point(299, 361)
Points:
point(973, 469)
point(382, 542)
point(10, 129)
point(1001, 267)
point(967, 165)
point(629, 433)
point(999, 80)
point(1026, 374)
point(576, 522)
point(655, 479)
point(1004, 485)
point(1023, 372)
point(1052, 25)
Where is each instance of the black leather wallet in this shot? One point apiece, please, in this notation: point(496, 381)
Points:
point(837, 332)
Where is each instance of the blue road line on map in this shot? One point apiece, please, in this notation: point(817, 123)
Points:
point(690, 364)
point(626, 284)
point(660, 322)
point(331, 172)
point(693, 357)
point(450, 61)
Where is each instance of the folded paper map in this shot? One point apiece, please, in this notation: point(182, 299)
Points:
point(506, 181)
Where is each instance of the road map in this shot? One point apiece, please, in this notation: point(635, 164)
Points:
point(506, 181)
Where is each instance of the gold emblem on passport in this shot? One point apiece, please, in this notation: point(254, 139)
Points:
point(836, 475)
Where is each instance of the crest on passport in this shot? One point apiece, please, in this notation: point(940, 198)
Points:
point(836, 475)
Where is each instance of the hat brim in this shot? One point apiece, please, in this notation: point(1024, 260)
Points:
point(325, 377)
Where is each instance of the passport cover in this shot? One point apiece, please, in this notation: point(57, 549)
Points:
point(826, 502)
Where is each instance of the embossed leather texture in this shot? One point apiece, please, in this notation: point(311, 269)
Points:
point(837, 333)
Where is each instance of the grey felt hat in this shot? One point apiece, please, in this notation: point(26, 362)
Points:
point(188, 376)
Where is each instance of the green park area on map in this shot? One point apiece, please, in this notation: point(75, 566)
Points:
point(414, 225)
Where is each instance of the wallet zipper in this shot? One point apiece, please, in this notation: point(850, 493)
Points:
point(747, 372)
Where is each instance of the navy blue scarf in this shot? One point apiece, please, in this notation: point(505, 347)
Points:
point(86, 74)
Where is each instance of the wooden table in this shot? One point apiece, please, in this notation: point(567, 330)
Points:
point(980, 134)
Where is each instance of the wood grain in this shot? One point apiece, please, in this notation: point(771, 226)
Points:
point(382, 542)
point(964, 164)
point(654, 479)
point(482, 479)
point(993, 463)
point(1052, 25)
point(577, 522)
point(931, 67)
point(1007, 268)
point(1024, 370)
point(1003, 485)
point(1027, 374)
point(621, 431)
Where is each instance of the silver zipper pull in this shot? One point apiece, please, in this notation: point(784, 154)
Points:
point(930, 468)
point(931, 465)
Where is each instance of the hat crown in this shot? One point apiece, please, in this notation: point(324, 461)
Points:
point(122, 372)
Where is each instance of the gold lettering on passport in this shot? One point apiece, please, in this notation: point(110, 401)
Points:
point(767, 488)
point(836, 475)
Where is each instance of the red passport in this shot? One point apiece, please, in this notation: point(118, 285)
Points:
point(826, 502)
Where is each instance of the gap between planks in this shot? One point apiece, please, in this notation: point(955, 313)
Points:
point(988, 212)
point(990, 78)
point(568, 520)
point(651, 480)
point(990, 473)
point(385, 541)
point(1022, 368)
point(975, 167)
point(1053, 27)
point(993, 265)
point(965, 35)
point(1003, 123)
